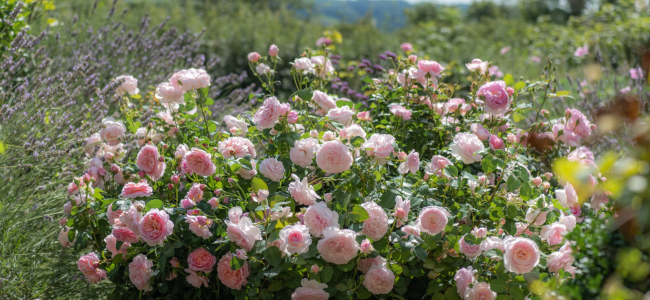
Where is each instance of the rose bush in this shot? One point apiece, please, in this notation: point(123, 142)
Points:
point(413, 193)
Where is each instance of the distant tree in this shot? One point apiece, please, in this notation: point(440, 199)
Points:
point(482, 10)
point(429, 12)
point(532, 10)
point(578, 6)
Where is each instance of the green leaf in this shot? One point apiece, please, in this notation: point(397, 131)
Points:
point(275, 286)
point(490, 163)
point(498, 285)
point(563, 93)
point(155, 203)
point(209, 101)
point(357, 141)
point(516, 293)
point(358, 214)
point(273, 255)
point(212, 126)
point(362, 291)
point(387, 200)
point(305, 94)
point(342, 103)
point(421, 253)
point(367, 80)
point(236, 263)
point(258, 184)
point(520, 85)
point(508, 79)
point(510, 227)
point(451, 171)
point(513, 183)
point(326, 274)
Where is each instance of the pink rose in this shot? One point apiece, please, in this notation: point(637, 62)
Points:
point(341, 115)
point(477, 65)
point(433, 219)
point(248, 174)
point(92, 141)
point(140, 272)
point(196, 192)
point(272, 169)
point(200, 225)
point(338, 246)
point(376, 225)
point(131, 219)
point(553, 234)
point(365, 264)
point(315, 269)
point(536, 216)
point(296, 239)
point(292, 117)
point(235, 125)
point(323, 102)
point(88, 265)
point(496, 143)
point(273, 50)
point(155, 226)
point(112, 215)
point(111, 245)
point(464, 277)
point(465, 146)
point(479, 232)
point(234, 214)
point(577, 123)
point(318, 217)
point(480, 291)
point(410, 230)
point(170, 93)
point(214, 202)
point(329, 136)
point(352, 131)
point(201, 260)
point(63, 237)
point(560, 260)
point(407, 47)
point(268, 114)
point(429, 67)
point(304, 152)
point(112, 131)
point(453, 104)
point(471, 251)
point(303, 64)
point(402, 209)
point(302, 191)
point(134, 190)
point(568, 197)
point(437, 165)
point(413, 58)
point(381, 147)
point(254, 57)
point(148, 161)
point(568, 221)
point(401, 112)
point(244, 233)
point(322, 66)
point(130, 85)
point(537, 181)
point(195, 280)
point(363, 116)
point(412, 163)
point(310, 290)
point(334, 157)
point(379, 280)
point(237, 147)
point(191, 79)
point(187, 203)
point(199, 162)
point(124, 234)
point(505, 50)
point(521, 255)
point(234, 279)
point(496, 97)
point(492, 242)
point(366, 247)
point(582, 51)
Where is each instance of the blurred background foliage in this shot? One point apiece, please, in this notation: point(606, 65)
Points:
point(614, 264)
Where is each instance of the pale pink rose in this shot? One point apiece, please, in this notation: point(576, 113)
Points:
point(292, 117)
point(304, 152)
point(492, 242)
point(302, 191)
point(199, 162)
point(254, 57)
point(318, 217)
point(134, 190)
point(411, 230)
point(315, 269)
point(366, 247)
point(433, 219)
point(201, 260)
point(235, 213)
point(310, 290)
point(304, 64)
point(241, 254)
point(328, 197)
point(401, 111)
point(560, 260)
point(195, 280)
point(260, 196)
point(363, 116)
point(63, 237)
point(140, 272)
point(131, 219)
point(196, 192)
point(582, 51)
point(329, 136)
point(92, 141)
point(323, 102)
point(365, 264)
point(155, 226)
point(112, 215)
point(214, 202)
point(244, 233)
point(465, 146)
point(263, 69)
point(322, 66)
point(111, 245)
point(341, 115)
point(464, 109)
point(234, 279)
point(112, 131)
point(148, 161)
point(505, 50)
point(582, 155)
point(494, 71)
point(268, 114)
point(496, 143)
point(402, 209)
point(568, 197)
point(464, 277)
point(453, 104)
point(379, 280)
point(352, 131)
point(437, 165)
point(181, 150)
point(471, 251)
point(537, 181)
point(479, 232)
point(536, 216)
point(636, 73)
point(273, 50)
point(477, 65)
point(568, 136)
point(187, 203)
point(553, 234)
point(381, 146)
point(376, 225)
point(130, 85)
point(191, 79)
point(237, 147)
point(124, 234)
point(568, 221)
point(407, 47)
point(480, 291)
point(521, 255)
point(272, 169)
point(523, 228)
point(412, 163)
point(334, 157)
point(413, 58)
point(496, 97)
point(431, 68)
point(599, 200)
point(200, 225)
point(236, 125)
point(577, 123)
point(170, 93)
point(88, 265)
point(338, 246)
point(296, 239)
point(248, 174)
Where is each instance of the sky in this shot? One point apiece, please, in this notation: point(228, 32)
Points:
point(443, 1)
